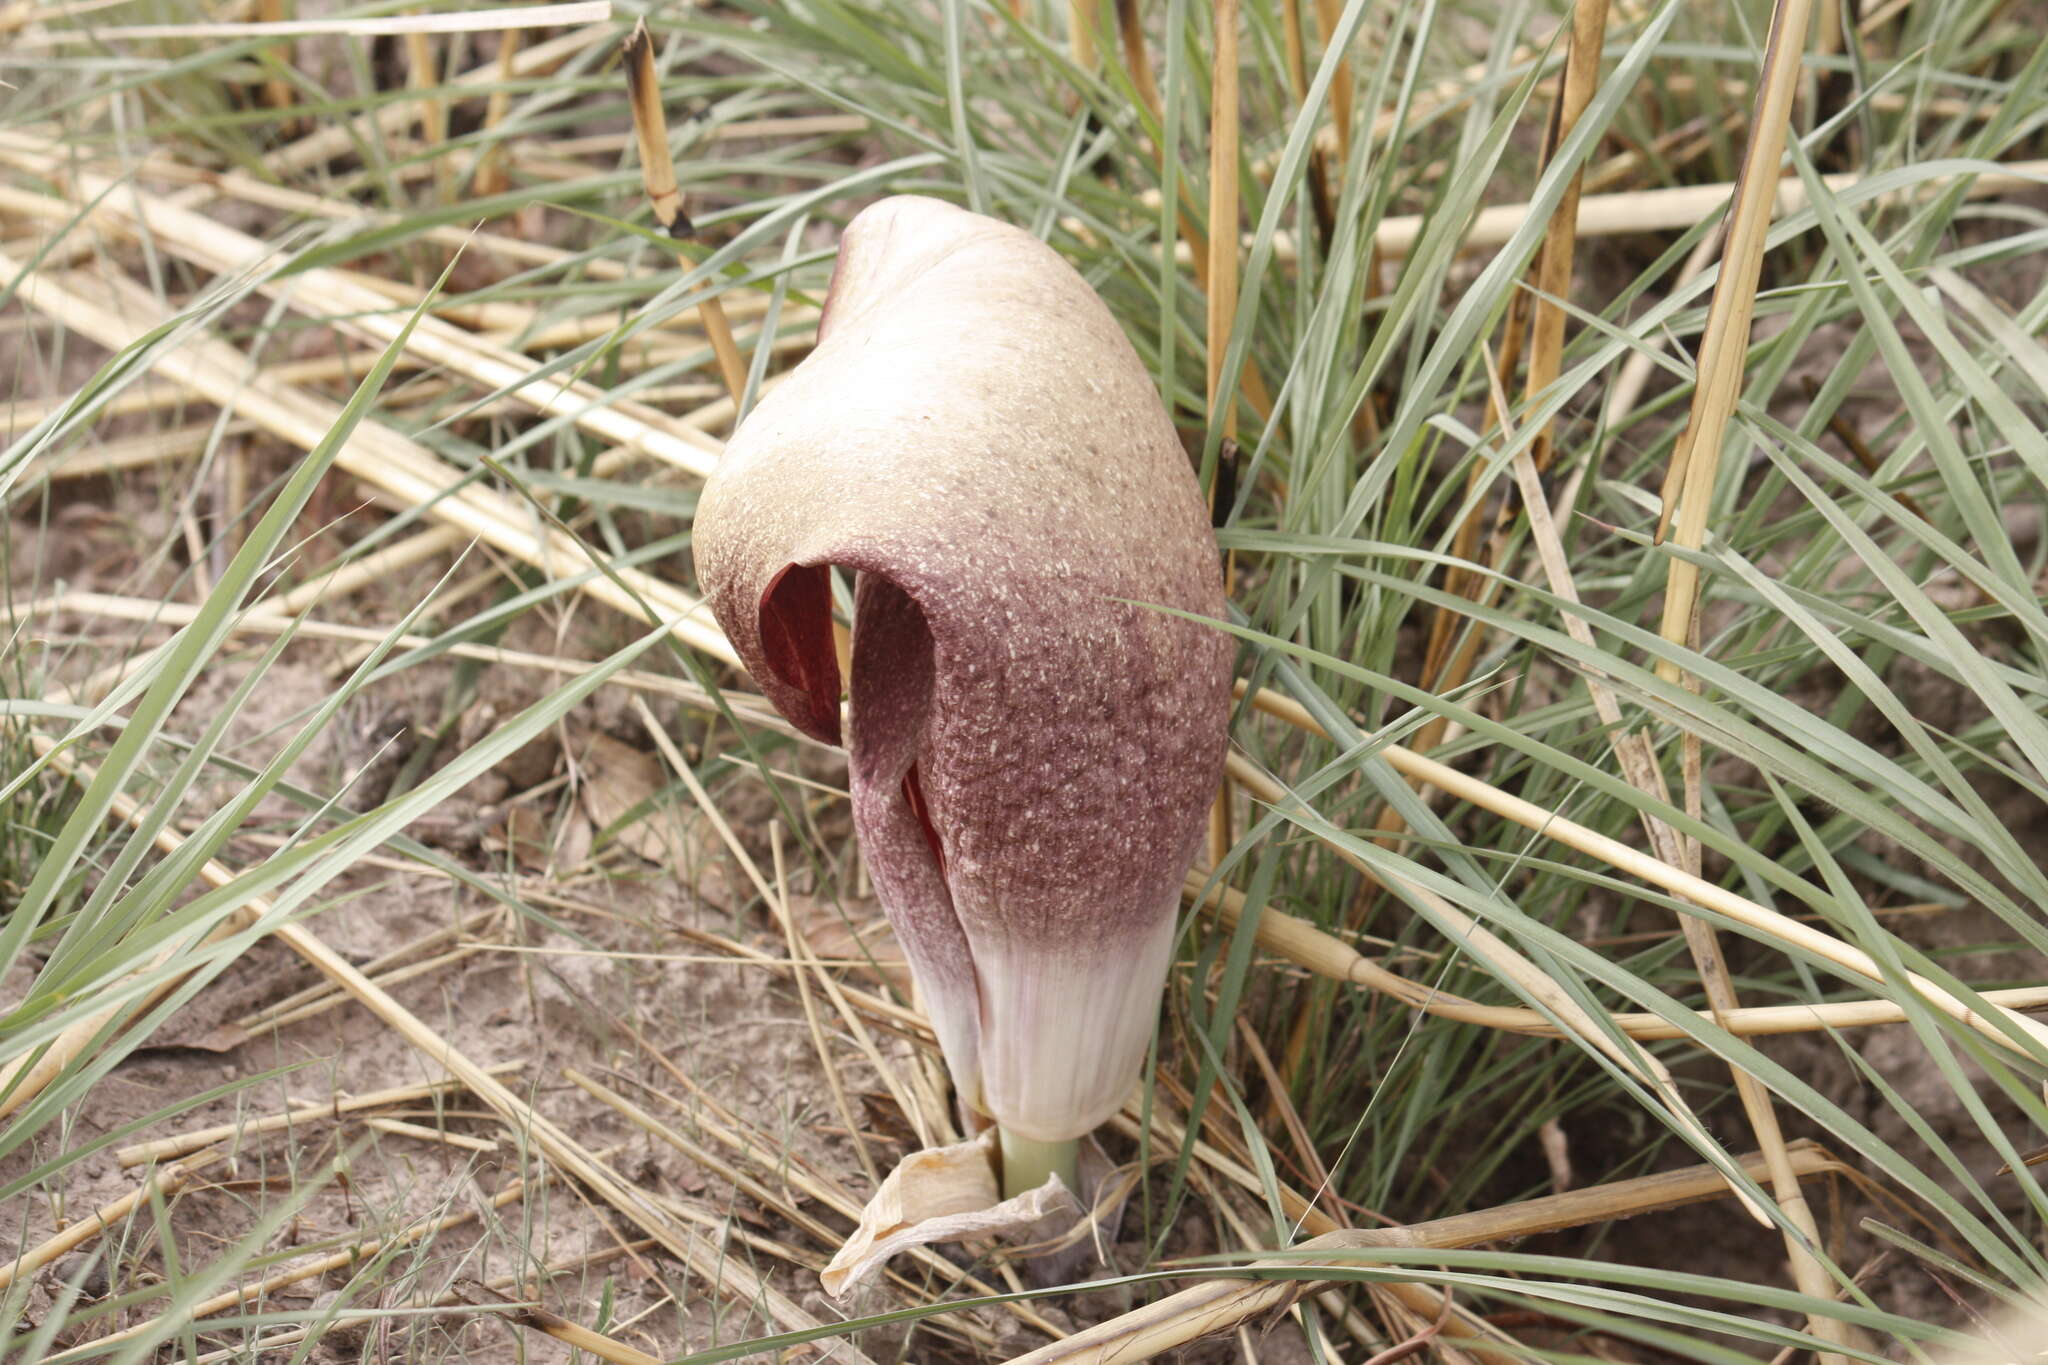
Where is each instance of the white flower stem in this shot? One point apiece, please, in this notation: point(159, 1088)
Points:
point(1027, 1162)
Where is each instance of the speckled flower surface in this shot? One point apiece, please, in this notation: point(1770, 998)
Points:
point(1032, 751)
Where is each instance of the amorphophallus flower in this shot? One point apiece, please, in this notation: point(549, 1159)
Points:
point(1033, 745)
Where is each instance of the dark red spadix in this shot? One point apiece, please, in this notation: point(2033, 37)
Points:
point(1033, 751)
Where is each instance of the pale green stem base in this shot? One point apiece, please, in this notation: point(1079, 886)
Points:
point(1027, 1162)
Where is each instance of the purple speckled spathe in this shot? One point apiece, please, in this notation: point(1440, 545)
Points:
point(1032, 760)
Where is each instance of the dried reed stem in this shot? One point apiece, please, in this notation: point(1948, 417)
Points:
point(1194, 246)
point(160, 1148)
point(1724, 346)
point(131, 452)
point(575, 1336)
point(399, 25)
point(658, 174)
point(1130, 26)
point(1638, 211)
point(1222, 306)
point(1081, 33)
point(1223, 213)
point(1220, 1305)
point(400, 1128)
point(425, 80)
point(162, 1184)
point(277, 91)
point(490, 175)
point(1328, 13)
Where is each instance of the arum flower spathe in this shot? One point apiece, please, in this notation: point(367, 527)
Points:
point(1032, 746)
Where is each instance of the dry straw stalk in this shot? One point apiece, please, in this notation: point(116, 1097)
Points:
point(399, 25)
point(658, 174)
point(1303, 944)
point(162, 1183)
point(1633, 211)
point(161, 1148)
point(1221, 1304)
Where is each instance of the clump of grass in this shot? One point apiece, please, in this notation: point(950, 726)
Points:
point(1414, 1001)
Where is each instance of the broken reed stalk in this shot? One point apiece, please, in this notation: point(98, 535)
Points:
point(1724, 346)
point(1636, 211)
point(401, 1128)
point(573, 1335)
point(1221, 317)
point(1295, 48)
point(1553, 273)
point(163, 1182)
point(178, 1145)
point(1328, 14)
point(1219, 1305)
point(1130, 25)
point(658, 174)
point(131, 452)
point(425, 81)
point(396, 25)
point(1081, 16)
point(1194, 242)
point(277, 91)
point(490, 177)
point(1223, 214)
point(1688, 491)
